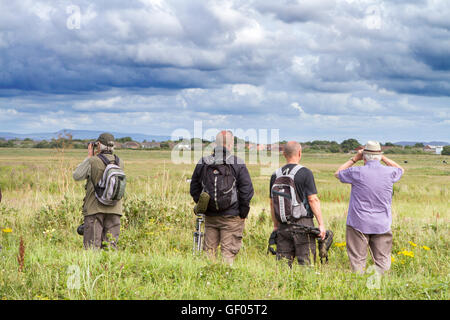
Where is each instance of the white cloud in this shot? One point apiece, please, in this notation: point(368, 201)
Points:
point(158, 64)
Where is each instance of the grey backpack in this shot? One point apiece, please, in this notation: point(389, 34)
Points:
point(111, 187)
point(286, 203)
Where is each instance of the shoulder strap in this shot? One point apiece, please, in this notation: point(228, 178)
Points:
point(228, 158)
point(117, 160)
point(104, 159)
point(278, 173)
point(294, 170)
point(208, 160)
point(291, 172)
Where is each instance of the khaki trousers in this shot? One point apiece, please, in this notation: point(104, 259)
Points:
point(225, 231)
point(380, 246)
point(101, 230)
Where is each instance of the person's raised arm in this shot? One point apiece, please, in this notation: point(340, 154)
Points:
point(391, 163)
point(349, 163)
point(84, 169)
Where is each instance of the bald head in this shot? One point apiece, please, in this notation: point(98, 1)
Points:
point(225, 139)
point(292, 151)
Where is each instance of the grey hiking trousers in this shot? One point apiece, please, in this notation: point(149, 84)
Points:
point(101, 230)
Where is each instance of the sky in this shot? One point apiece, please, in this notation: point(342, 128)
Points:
point(314, 70)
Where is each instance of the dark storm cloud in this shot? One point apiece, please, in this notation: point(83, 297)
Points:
point(324, 62)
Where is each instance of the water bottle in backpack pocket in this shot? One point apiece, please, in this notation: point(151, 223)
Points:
point(286, 203)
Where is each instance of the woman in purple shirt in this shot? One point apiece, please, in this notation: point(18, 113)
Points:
point(369, 214)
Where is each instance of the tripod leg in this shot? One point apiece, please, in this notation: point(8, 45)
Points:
point(194, 246)
point(200, 241)
point(201, 234)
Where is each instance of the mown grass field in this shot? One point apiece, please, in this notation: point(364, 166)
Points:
point(42, 205)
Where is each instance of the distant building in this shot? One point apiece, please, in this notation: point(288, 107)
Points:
point(261, 147)
point(131, 145)
point(433, 149)
point(275, 147)
point(150, 145)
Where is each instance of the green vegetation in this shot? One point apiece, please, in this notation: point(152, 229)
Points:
point(446, 151)
point(406, 150)
point(349, 144)
point(42, 206)
point(316, 146)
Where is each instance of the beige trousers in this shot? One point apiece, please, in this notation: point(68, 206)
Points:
point(380, 246)
point(225, 231)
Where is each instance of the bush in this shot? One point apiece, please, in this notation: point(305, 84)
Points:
point(66, 215)
point(349, 144)
point(446, 151)
point(334, 149)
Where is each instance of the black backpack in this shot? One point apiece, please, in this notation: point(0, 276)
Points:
point(219, 182)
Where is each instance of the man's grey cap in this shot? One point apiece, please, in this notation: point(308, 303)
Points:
point(106, 139)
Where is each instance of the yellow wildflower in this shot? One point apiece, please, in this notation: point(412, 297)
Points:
point(340, 244)
point(412, 243)
point(407, 253)
point(7, 230)
point(392, 259)
point(426, 248)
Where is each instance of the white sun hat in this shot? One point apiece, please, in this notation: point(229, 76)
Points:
point(372, 147)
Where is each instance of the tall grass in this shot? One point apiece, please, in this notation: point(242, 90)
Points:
point(154, 261)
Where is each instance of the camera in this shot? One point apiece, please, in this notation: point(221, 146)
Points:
point(80, 229)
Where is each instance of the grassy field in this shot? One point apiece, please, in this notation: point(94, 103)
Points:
point(42, 206)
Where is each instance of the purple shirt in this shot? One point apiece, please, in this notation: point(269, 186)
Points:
point(371, 196)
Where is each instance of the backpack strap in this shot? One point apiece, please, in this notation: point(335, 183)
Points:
point(105, 160)
point(294, 170)
point(278, 173)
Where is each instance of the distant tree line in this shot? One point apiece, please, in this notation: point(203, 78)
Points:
point(315, 146)
point(330, 146)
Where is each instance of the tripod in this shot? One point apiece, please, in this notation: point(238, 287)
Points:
point(198, 234)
